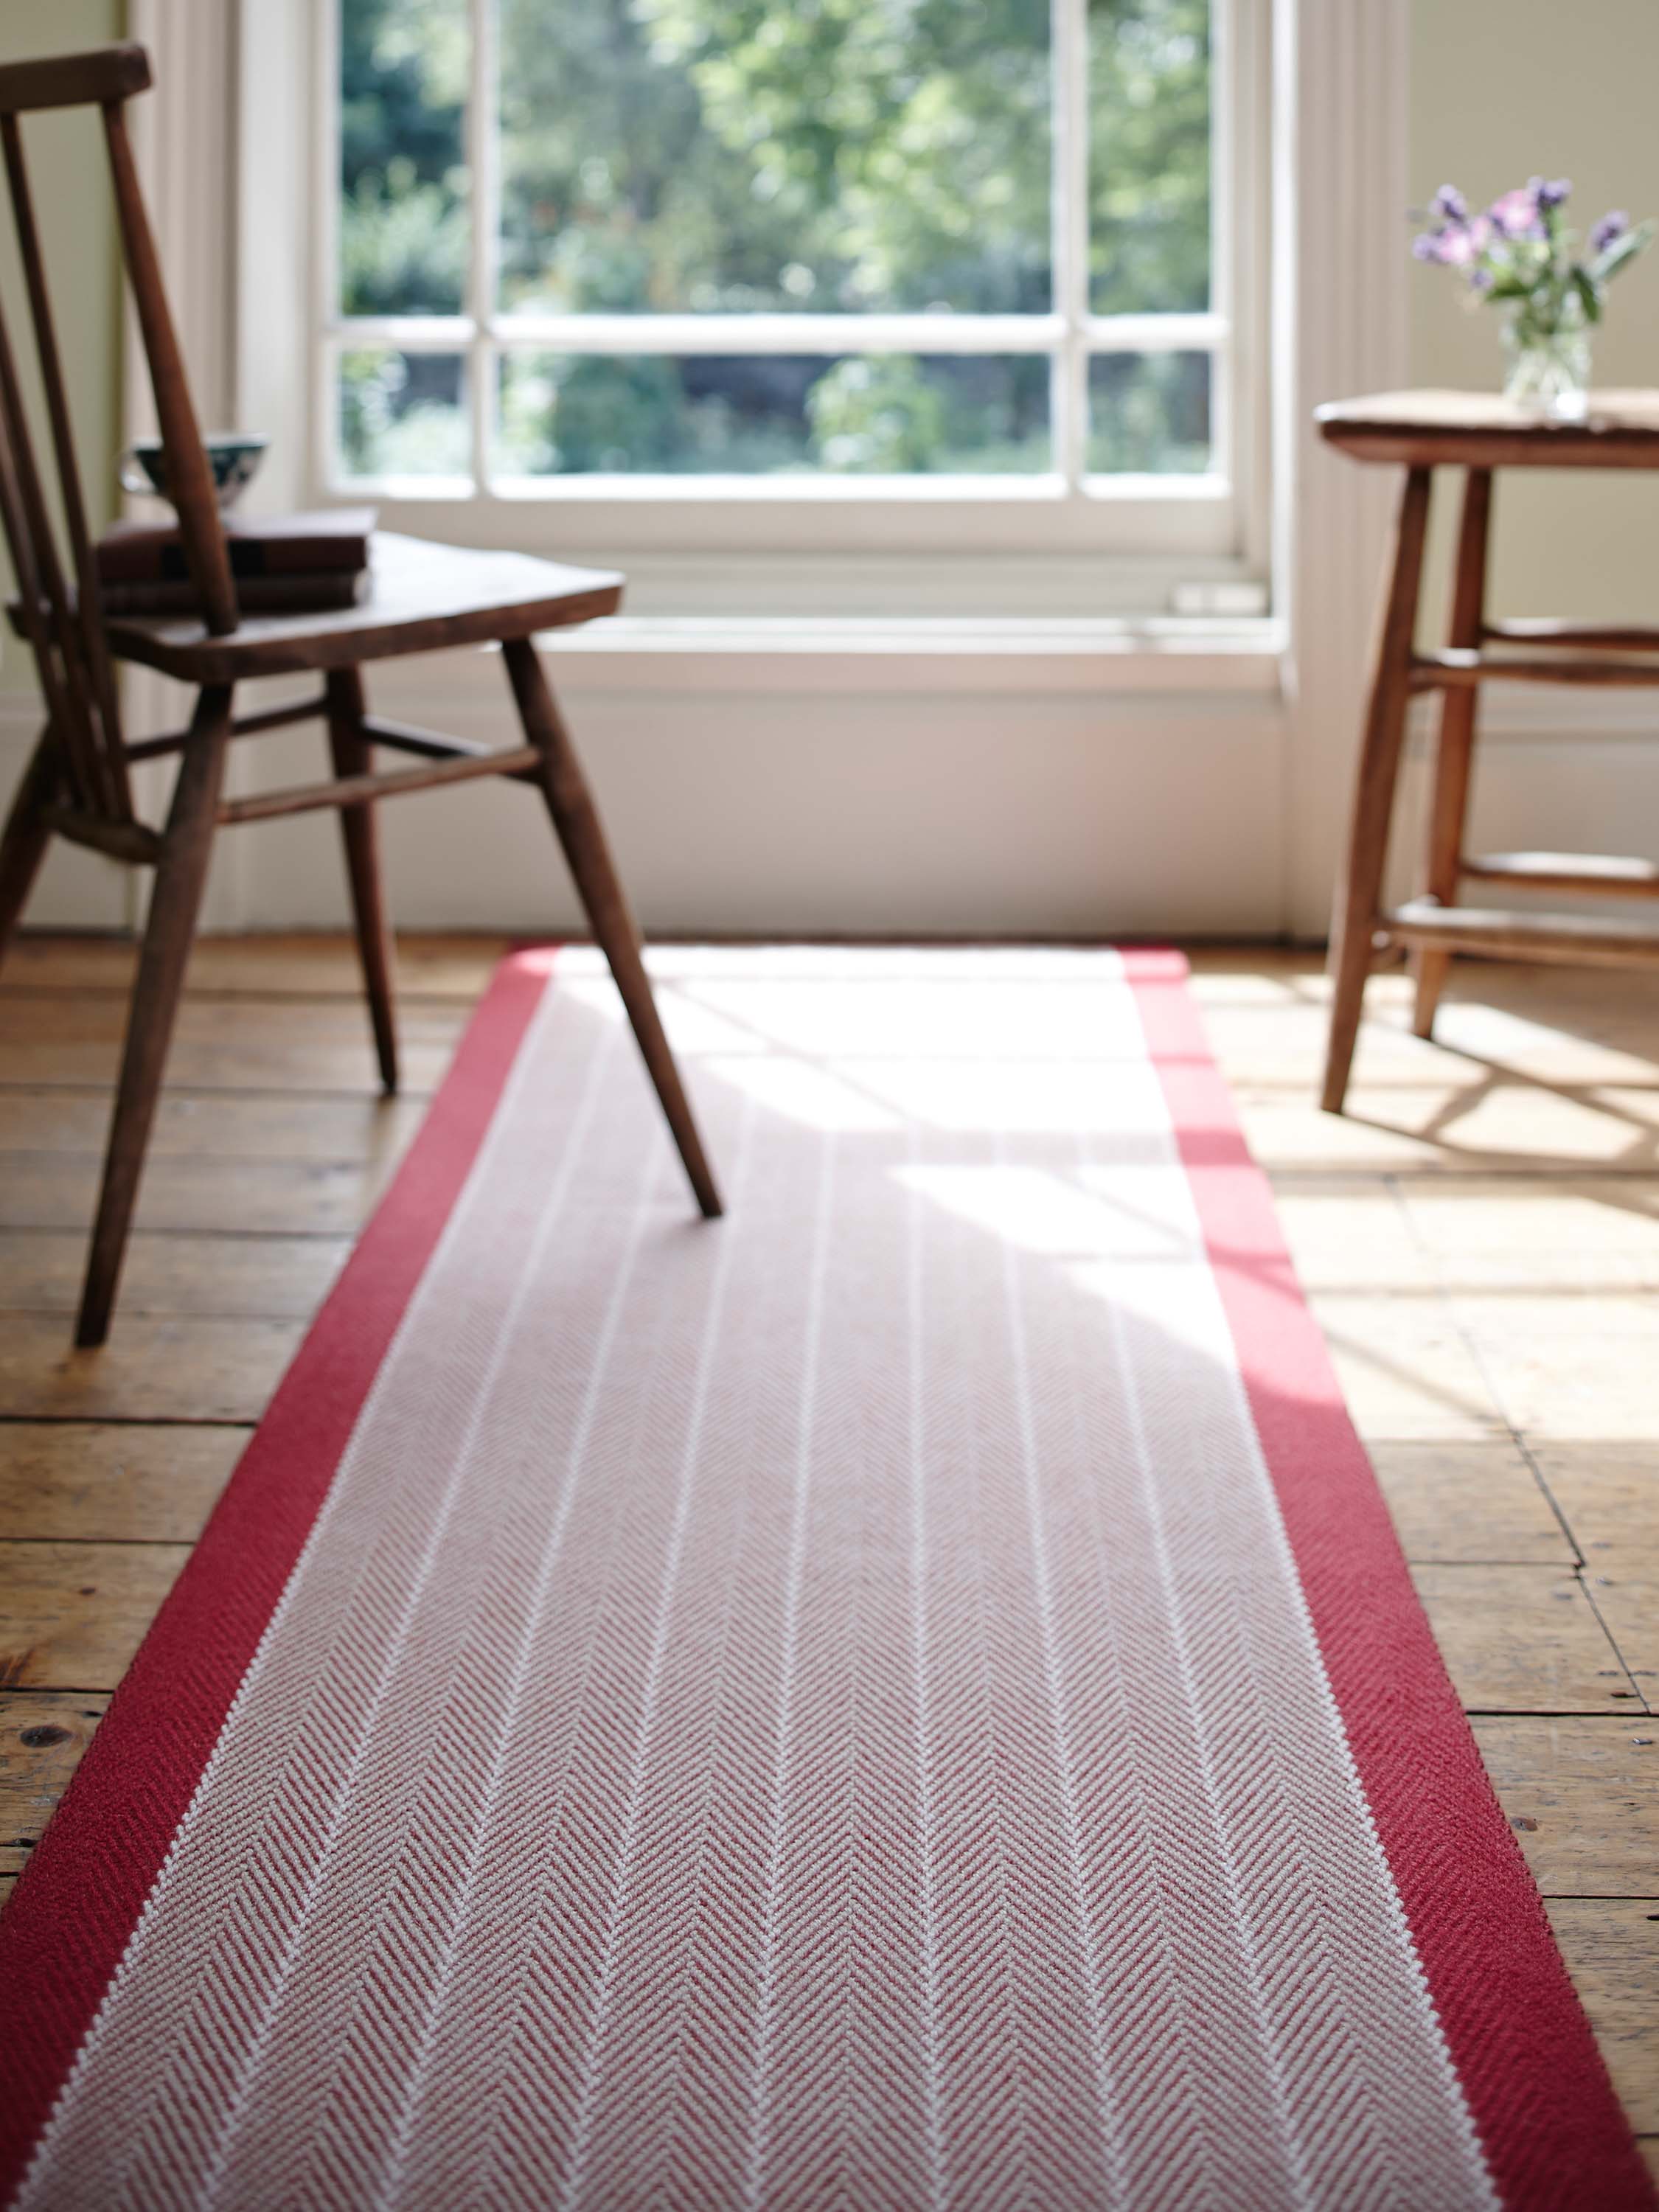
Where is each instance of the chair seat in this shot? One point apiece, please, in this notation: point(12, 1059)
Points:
point(421, 597)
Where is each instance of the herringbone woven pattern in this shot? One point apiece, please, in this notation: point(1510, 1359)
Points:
point(815, 1712)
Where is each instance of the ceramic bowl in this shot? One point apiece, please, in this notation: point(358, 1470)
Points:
point(233, 455)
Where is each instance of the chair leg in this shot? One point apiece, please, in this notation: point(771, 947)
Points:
point(180, 874)
point(581, 833)
point(24, 840)
point(1353, 920)
point(350, 750)
point(1455, 751)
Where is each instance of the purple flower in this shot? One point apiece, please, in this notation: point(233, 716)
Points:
point(1449, 204)
point(1549, 195)
point(1426, 247)
point(1612, 225)
point(1481, 280)
point(1515, 213)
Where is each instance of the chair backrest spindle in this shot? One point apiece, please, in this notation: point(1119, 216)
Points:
point(69, 475)
point(89, 759)
point(190, 479)
point(74, 742)
point(64, 627)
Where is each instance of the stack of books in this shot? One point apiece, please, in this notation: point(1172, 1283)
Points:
point(281, 563)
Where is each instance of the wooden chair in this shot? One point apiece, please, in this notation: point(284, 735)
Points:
point(423, 597)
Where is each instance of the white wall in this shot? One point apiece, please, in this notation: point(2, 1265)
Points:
point(1502, 90)
point(806, 811)
point(953, 806)
point(69, 178)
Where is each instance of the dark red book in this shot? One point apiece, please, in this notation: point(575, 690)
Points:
point(333, 541)
point(321, 594)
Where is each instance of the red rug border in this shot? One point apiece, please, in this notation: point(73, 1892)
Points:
point(1554, 2134)
point(1550, 2124)
point(69, 1921)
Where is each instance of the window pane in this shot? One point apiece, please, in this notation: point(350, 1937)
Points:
point(686, 155)
point(1149, 156)
point(762, 415)
point(403, 414)
point(1149, 414)
point(403, 68)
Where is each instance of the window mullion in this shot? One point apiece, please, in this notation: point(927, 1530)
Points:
point(1157, 333)
point(629, 333)
point(1224, 201)
point(325, 288)
point(1070, 34)
point(483, 157)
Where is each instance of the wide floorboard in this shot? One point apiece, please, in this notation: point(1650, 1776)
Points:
point(1479, 1235)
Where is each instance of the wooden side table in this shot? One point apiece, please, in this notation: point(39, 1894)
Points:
point(1421, 431)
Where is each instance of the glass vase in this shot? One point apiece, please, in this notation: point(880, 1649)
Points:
point(1549, 367)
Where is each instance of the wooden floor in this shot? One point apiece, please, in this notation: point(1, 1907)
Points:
point(1480, 1236)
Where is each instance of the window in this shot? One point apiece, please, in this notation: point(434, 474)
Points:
point(861, 261)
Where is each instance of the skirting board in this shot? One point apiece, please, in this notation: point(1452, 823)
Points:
point(887, 813)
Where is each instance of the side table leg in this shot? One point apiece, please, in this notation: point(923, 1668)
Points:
point(1354, 918)
point(1455, 751)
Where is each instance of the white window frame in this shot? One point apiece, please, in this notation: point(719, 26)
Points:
point(1153, 530)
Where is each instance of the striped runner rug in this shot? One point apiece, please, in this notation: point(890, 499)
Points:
point(907, 1696)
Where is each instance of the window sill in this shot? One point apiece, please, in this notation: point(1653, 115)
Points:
point(1146, 654)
